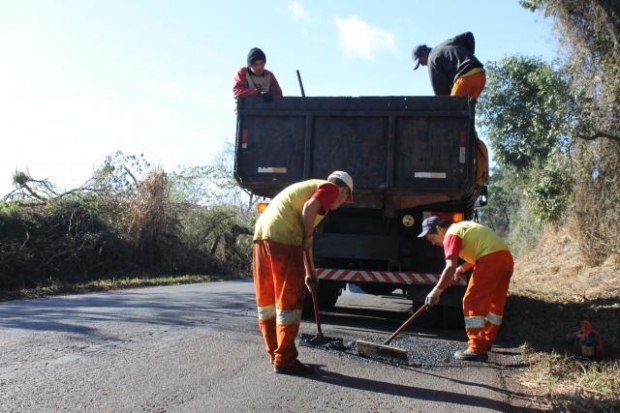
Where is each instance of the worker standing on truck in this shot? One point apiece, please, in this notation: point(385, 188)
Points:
point(282, 233)
point(455, 71)
point(485, 297)
point(452, 66)
point(255, 80)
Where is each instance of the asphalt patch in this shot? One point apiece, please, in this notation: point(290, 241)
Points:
point(422, 351)
point(327, 343)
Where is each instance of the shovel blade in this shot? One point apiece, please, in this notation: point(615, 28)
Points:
point(367, 348)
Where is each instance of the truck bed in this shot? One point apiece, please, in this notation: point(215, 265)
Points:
point(401, 151)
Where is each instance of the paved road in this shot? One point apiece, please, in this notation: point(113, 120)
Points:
point(196, 348)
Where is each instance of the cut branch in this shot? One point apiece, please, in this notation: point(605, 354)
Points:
point(600, 135)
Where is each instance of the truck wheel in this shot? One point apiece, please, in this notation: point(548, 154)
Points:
point(327, 295)
point(430, 318)
point(452, 317)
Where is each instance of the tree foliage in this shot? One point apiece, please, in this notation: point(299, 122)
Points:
point(526, 111)
point(589, 32)
point(129, 219)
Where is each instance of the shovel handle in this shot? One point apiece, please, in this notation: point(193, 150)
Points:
point(317, 317)
point(315, 302)
point(407, 323)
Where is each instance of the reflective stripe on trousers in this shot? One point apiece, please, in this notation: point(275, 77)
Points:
point(284, 317)
point(267, 312)
point(494, 319)
point(474, 322)
point(288, 317)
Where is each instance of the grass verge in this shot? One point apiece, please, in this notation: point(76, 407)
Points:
point(112, 284)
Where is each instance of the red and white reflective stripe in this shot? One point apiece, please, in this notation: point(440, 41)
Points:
point(387, 277)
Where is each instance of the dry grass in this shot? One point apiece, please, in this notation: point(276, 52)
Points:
point(552, 290)
point(146, 216)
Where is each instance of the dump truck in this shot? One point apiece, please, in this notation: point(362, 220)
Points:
point(409, 156)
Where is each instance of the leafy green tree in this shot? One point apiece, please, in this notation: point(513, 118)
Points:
point(526, 111)
point(589, 32)
point(527, 114)
point(547, 196)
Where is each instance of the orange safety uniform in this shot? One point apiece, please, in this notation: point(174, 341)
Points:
point(484, 300)
point(471, 84)
point(278, 265)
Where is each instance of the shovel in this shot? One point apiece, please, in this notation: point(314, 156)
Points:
point(373, 349)
point(318, 339)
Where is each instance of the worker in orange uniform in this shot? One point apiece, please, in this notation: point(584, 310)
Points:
point(484, 300)
point(455, 71)
point(283, 231)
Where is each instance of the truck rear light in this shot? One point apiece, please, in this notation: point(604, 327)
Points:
point(447, 216)
point(261, 207)
point(457, 216)
point(462, 146)
point(244, 138)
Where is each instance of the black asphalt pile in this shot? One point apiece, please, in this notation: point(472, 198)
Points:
point(327, 343)
point(422, 351)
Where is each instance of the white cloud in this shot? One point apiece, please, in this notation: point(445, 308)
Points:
point(360, 39)
point(297, 10)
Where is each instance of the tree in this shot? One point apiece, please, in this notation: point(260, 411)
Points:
point(526, 111)
point(527, 114)
point(589, 32)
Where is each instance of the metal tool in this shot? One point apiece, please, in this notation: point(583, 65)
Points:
point(301, 85)
point(318, 339)
point(383, 350)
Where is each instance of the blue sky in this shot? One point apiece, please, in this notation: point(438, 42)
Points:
point(82, 79)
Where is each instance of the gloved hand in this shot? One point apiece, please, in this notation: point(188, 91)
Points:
point(312, 282)
point(307, 243)
point(267, 97)
point(433, 297)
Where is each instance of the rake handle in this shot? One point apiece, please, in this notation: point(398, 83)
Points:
point(407, 323)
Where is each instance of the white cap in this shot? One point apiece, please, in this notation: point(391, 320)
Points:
point(346, 178)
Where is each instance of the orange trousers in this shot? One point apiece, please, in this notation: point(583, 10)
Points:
point(469, 85)
point(279, 273)
point(484, 300)
point(472, 86)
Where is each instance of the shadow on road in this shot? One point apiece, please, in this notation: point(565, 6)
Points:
point(401, 390)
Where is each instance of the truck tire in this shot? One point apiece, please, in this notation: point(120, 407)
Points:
point(452, 317)
point(327, 295)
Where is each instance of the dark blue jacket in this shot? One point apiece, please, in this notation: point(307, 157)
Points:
point(449, 60)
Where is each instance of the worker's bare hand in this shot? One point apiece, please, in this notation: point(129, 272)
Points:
point(312, 282)
point(459, 271)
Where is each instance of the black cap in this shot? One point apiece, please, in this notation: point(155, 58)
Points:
point(417, 53)
point(256, 54)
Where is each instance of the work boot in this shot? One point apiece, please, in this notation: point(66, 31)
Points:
point(470, 355)
point(296, 369)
